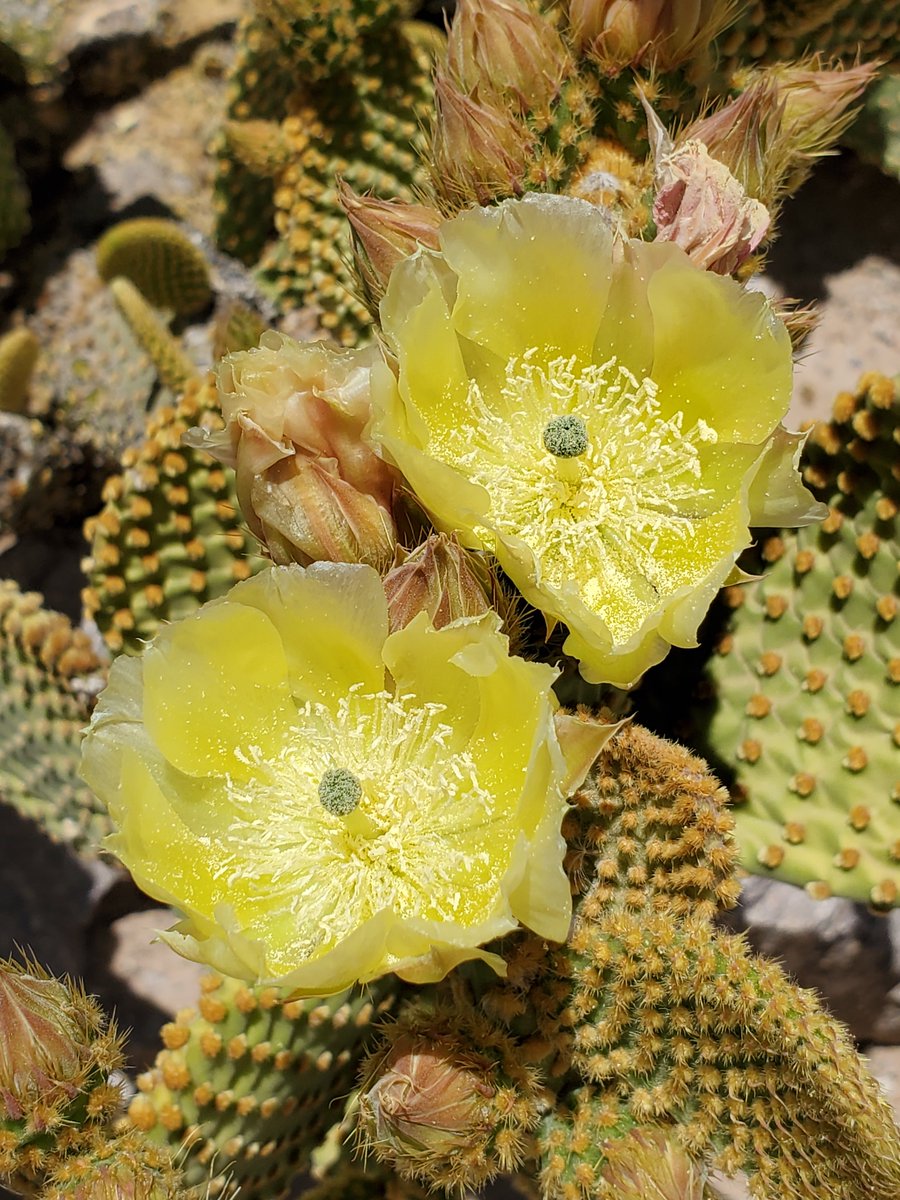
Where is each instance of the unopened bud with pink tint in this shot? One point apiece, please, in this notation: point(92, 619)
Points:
point(666, 32)
point(506, 47)
point(439, 578)
point(308, 485)
point(384, 233)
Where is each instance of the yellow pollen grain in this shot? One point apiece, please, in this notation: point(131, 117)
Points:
point(611, 521)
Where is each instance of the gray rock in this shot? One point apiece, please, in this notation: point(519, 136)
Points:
point(835, 946)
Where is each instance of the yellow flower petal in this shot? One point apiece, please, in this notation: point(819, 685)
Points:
point(325, 804)
point(532, 274)
point(340, 650)
point(719, 354)
point(215, 683)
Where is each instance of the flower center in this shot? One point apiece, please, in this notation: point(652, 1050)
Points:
point(403, 824)
point(566, 436)
point(339, 791)
point(581, 464)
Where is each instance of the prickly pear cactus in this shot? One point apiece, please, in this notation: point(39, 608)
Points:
point(93, 374)
point(365, 126)
point(806, 677)
point(18, 355)
point(648, 1020)
point(262, 81)
point(170, 535)
point(173, 366)
point(49, 672)
point(785, 30)
point(251, 1083)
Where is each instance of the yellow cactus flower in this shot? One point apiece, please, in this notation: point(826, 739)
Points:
point(601, 415)
point(325, 801)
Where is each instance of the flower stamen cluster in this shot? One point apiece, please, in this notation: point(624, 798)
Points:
point(594, 515)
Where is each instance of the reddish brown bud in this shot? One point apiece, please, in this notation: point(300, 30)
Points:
point(437, 578)
point(480, 152)
point(384, 233)
point(424, 1103)
point(502, 46)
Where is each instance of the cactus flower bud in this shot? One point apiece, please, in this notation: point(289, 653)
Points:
point(702, 208)
point(55, 1049)
point(127, 1167)
point(669, 32)
point(384, 233)
point(502, 46)
point(309, 487)
point(425, 1103)
point(436, 578)
point(480, 151)
point(646, 1164)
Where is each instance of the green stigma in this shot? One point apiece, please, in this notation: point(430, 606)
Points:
point(566, 436)
point(339, 791)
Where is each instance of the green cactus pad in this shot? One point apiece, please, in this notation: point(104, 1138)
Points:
point(649, 1018)
point(806, 679)
point(367, 128)
point(787, 30)
point(251, 1084)
point(160, 260)
point(261, 83)
point(93, 375)
point(48, 669)
point(170, 535)
point(173, 366)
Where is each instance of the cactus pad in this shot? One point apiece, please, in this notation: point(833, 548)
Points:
point(170, 535)
point(806, 678)
point(251, 1084)
point(48, 669)
point(18, 355)
point(365, 127)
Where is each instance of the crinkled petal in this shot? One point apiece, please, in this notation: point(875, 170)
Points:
point(777, 496)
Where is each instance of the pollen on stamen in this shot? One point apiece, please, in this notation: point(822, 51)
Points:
point(608, 523)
